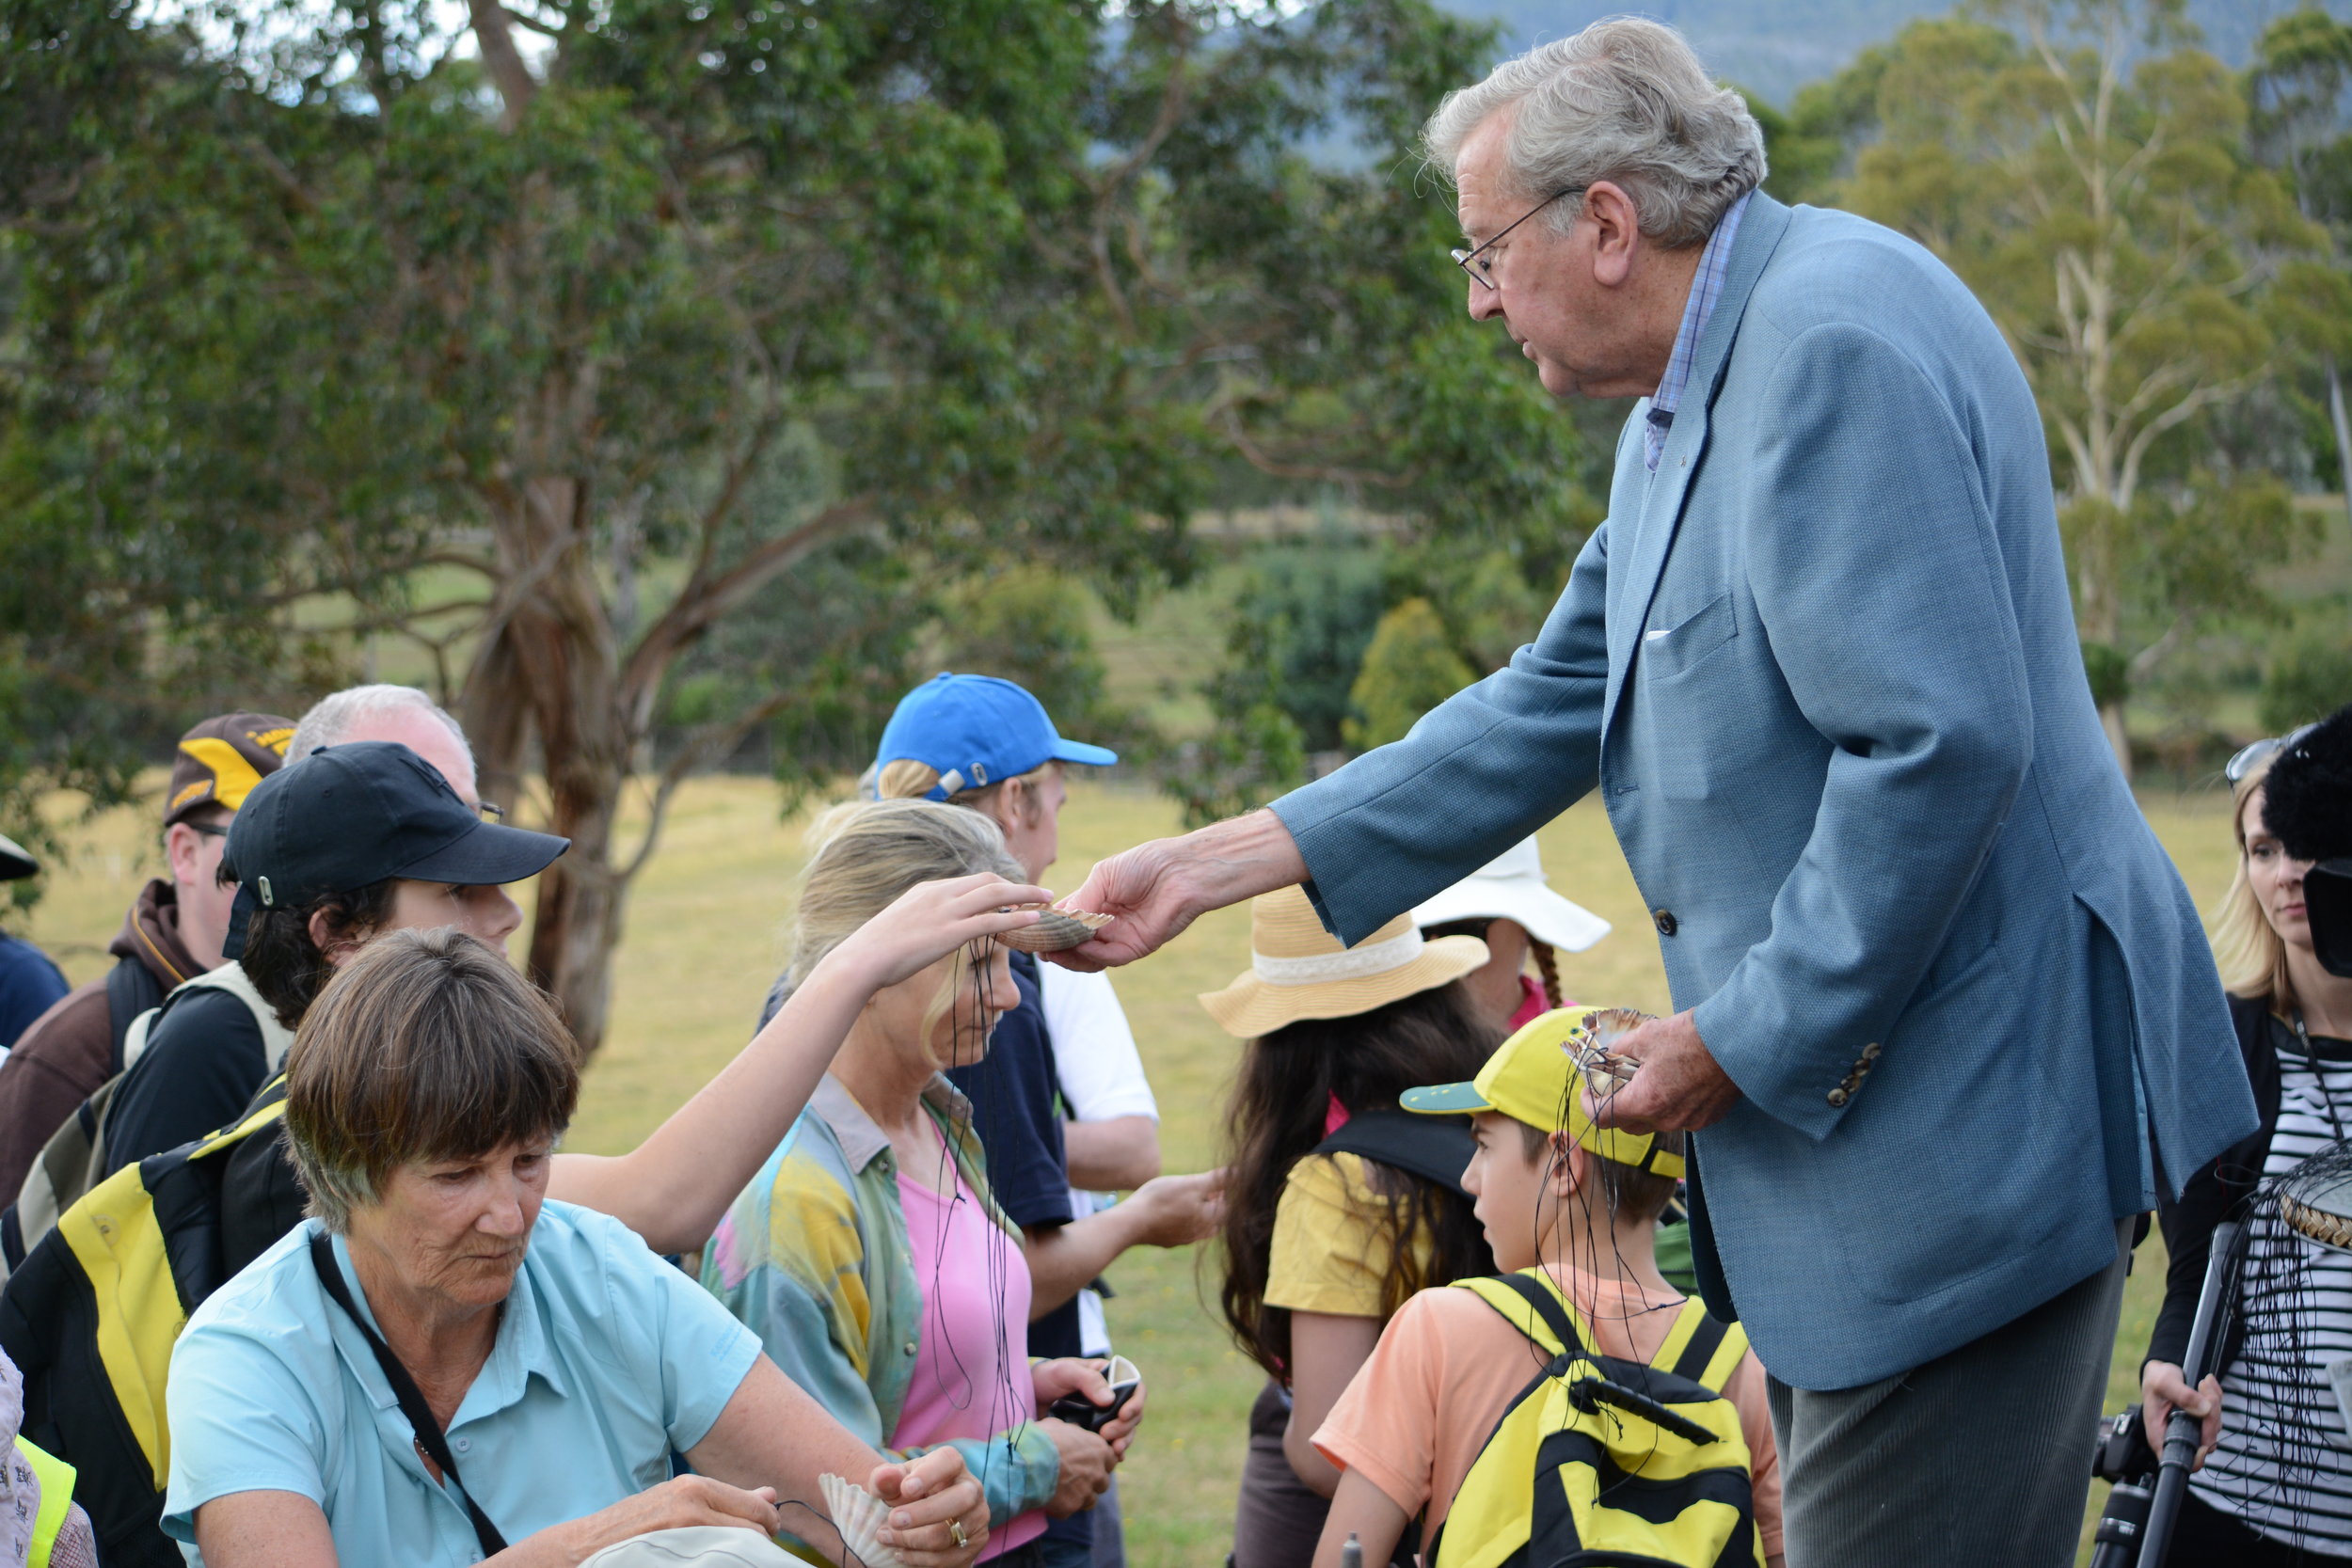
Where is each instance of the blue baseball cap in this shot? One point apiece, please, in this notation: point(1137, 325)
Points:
point(975, 730)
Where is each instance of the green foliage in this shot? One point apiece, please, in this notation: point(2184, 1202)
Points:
point(2109, 671)
point(2086, 170)
point(1409, 668)
point(2308, 678)
point(1251, 757)
point(1032, 626)
point(1300, 626)
point(321, 305)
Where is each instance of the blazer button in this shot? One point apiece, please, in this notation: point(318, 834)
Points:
point(1667, 924)
point(1870, 1052)
point(1839, 1096)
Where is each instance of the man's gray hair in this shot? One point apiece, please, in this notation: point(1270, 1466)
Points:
point(1625, 101)
point(334, 715)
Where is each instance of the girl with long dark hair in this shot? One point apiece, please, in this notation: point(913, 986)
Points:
point(1322, 1242)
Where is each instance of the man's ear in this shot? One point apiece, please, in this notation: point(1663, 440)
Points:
point(1616, 232)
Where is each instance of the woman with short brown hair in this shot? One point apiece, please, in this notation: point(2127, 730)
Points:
point(556, 1363)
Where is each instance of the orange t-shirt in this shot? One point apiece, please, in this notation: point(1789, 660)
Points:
point(1448, 1366)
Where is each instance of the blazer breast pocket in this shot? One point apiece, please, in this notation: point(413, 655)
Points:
point(1670, 644)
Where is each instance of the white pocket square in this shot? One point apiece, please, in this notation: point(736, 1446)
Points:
point(1656, 632)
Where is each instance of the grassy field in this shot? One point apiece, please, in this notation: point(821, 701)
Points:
point(705, 939)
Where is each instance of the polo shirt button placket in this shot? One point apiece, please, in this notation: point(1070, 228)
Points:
point(1665, 921)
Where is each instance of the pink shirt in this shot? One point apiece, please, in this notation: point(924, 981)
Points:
point(972, 1359)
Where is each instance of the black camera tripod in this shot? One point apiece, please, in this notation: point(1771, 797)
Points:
point(2137, 1525)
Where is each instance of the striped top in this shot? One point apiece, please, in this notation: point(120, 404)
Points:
point(2285, 1463)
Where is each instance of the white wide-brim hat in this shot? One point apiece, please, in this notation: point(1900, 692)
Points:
point(1512, 887)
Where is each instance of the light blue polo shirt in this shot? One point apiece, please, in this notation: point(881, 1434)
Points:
point(606, 1359)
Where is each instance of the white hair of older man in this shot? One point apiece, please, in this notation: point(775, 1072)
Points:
point(1625, 101)
point(334, 715)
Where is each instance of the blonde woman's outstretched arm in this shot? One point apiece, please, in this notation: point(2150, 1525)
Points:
point(672, 1188)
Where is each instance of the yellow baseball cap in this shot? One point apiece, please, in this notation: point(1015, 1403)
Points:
point(1532, 1078)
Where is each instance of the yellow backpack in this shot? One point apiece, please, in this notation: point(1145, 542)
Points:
point(1606, 1460)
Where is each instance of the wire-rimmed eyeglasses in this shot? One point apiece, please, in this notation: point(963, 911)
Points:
point(1478, 264)
point(2262, 750)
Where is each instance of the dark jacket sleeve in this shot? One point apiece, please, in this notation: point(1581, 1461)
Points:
point(60, 1061)
point(204, 1059)
point(2216, 1193)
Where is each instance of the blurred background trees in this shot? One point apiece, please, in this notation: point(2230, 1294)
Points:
point(669, 385)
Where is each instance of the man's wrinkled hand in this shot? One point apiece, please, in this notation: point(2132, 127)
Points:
point(1677, 1087)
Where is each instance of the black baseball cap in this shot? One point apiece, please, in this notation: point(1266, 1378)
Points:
point(346, 816)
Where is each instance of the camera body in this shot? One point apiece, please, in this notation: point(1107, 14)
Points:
point(2308, 804)
point(2123, 1457)
point(2327, 901)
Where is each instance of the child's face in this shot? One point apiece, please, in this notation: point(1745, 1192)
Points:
point(1510, 1188)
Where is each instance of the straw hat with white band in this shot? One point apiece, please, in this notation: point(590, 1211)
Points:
point(1512, 887)
point(1297, 970)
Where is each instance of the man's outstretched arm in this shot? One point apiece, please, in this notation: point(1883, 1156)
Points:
point(1157, 889)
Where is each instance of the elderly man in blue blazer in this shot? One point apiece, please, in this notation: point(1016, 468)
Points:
point(1948, 1016)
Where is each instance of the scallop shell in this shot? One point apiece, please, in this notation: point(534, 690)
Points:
point(1056, 930)
point(859, 1515)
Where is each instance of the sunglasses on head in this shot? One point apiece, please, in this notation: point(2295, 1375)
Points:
point(2253, 756)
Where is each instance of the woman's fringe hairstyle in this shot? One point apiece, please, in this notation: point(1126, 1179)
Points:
point(425, 1046)
point(865, 854)
point(1627, 101)
point(2245, 946)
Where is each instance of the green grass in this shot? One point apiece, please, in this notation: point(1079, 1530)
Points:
point(705, 939)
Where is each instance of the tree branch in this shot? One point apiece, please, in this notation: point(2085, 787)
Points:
point(502, 60)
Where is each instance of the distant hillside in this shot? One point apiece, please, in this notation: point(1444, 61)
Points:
point(1774, 47)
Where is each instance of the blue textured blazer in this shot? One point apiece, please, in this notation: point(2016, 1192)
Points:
point(1822, 667)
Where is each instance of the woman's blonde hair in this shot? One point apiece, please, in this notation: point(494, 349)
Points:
point(909, 780)
point(2245, 946)
point(865, 854)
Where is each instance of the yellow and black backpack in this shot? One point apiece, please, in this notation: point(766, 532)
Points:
point(1601, 1460)
point(92, 1315)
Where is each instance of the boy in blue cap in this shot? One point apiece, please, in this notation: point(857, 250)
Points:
point(1060, 1100)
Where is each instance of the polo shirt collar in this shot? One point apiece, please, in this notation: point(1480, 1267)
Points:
point(859, 1136)
point(521, 1349)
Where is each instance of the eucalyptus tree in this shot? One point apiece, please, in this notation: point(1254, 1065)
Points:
point(2086, 169)
point(559, 338)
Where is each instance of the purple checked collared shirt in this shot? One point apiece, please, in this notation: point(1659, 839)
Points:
point(1706, 288)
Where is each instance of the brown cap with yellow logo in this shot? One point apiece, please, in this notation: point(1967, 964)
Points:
point(223, 758)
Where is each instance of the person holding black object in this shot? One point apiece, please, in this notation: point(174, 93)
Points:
point(2275, 1485)
point(988, 744)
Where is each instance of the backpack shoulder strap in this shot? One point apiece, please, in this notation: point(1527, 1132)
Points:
point(131, 991)
point(1701, 1347)
point(1437, 1149)
point(276, 1038)
point(1532, 1304)
point(405, 1390)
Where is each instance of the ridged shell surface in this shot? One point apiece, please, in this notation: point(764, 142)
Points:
point(1058, 930)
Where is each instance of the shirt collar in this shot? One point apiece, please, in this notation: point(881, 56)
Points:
point(859, 1136)
point(521, 1349)
point(1707, 286)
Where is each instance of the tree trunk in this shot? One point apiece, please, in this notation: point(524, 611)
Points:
point(556, 668)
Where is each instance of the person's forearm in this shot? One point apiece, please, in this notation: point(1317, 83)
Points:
point(1116, 1155)
point(1361, 1509)
point(1065, 1259)
point(673, 1188)
point(1238, 858)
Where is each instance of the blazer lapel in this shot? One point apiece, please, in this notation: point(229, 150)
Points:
point(1760, 229)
